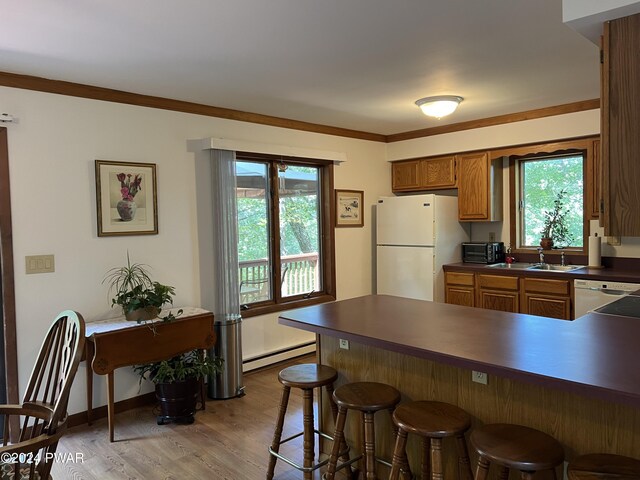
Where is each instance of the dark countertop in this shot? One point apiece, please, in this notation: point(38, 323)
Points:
point(607, 274)
point(595, 355)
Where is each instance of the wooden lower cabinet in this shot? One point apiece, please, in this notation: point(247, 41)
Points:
point(498, 292)
point(460, 289)
point(534, 296)
point(547, 297)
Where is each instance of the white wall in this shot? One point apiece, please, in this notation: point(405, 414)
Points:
point(51, 157)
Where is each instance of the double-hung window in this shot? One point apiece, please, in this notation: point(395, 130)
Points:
point(285, 236)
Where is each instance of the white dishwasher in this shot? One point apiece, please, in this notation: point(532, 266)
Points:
point(591, 294)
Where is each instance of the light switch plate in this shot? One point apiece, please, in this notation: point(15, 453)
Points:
point(39, 264)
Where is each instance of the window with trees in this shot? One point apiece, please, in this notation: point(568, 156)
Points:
point(553, 184)
point(552, 200)
point(285, 237)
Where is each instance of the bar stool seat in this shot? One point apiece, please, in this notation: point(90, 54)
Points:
point(515, 446)
point(604, 466)
point(368, 398)
point(305, 377)
point(432, 421)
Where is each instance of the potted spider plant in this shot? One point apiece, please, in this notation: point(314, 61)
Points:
point(139, 297)
point(177, 383)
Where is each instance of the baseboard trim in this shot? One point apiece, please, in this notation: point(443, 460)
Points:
point(121, 406)
point(277, 356)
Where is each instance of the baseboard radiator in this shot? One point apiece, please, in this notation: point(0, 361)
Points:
point(278, 356)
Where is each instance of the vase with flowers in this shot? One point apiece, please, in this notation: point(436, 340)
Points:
point(129, 187)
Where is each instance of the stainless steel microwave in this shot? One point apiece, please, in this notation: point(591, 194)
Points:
point(483, 252)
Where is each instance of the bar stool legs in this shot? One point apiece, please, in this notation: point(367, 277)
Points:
point(432, 421)
point(367, 398)
point(305, 377)
point(277, 435)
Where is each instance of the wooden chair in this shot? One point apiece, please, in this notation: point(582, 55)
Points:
point(32, 430)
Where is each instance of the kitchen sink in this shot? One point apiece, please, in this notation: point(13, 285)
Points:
point(512, 266)
point(556, 268)
point(536, 266)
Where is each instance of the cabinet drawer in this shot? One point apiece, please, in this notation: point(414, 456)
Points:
point(459, 278)
point(543, 285)
point(501, 282)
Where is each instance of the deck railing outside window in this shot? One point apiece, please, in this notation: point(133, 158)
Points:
point(300, 275)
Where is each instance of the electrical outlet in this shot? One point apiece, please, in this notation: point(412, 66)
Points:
point(344, 344)
point(479, 377)
point(492, 236)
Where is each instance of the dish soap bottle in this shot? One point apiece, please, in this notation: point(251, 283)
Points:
point(509, 259)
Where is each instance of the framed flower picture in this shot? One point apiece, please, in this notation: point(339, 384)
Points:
point(126, 198)
point(349, 208)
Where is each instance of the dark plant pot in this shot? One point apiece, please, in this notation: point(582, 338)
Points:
point(546, 243)
point(141, 314)
point(177, 400)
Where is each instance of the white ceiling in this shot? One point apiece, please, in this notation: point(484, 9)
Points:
point(357, 64)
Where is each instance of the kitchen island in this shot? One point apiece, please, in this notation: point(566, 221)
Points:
point(578, 381)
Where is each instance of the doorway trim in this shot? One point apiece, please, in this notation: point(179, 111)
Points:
point(7, 287)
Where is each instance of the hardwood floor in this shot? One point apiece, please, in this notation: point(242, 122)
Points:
point(227, 441)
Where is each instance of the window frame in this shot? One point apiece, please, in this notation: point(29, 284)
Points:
point(326, 241)
point(584, 146)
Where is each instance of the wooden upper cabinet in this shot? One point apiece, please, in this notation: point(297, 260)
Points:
point(405, 175)
point(479, 187)
point(438, 172)
point(423, 174)
point(620, 125)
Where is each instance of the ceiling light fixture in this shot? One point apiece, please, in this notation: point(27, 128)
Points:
point(439, 106)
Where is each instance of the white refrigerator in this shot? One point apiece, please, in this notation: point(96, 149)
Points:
point(415, 236)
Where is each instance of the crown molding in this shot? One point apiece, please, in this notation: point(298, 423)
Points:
point(60, 87)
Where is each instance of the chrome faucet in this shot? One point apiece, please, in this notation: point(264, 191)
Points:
point(562, 259)
point(540, 252)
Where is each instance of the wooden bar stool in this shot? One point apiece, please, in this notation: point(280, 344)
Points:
point(368, 398)
point(433, 421)
point(515, 446)
point(604, 466)
point(306, 377)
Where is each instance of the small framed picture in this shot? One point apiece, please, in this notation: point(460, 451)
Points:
point(126, 198)
point(349, 208)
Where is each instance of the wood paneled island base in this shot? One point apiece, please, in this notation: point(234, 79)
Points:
point(583, 423)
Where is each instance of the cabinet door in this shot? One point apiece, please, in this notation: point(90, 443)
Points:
point(620, 125)
point(405, 175)
point(502, 300)
point(438, 172)
point(547, 297)
point(479, 187)
point(459, 295)
point(459, 288)
point(547, 306)
point(498, 292)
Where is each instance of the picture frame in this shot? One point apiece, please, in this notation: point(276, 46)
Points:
point(126, 198)
point(349, 208)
